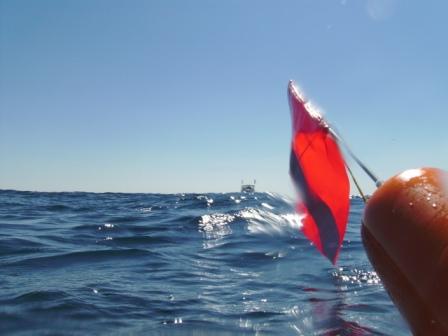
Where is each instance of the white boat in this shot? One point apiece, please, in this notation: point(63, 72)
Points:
point(248, 188)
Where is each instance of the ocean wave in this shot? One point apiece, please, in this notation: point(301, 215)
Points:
point(180, 264)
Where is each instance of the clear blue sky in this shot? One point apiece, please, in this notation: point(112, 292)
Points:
point(190, 96)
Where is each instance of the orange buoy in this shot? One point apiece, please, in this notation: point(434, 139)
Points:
point(405, 234)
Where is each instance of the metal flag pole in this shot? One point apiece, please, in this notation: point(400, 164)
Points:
point(364, 198)
point(374, 178)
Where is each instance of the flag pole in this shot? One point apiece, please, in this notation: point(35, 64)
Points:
point(364, 198)
point(374, 178)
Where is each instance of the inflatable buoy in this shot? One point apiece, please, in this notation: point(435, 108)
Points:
point(405, 234)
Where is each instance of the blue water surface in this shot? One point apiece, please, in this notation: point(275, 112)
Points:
point(183, 264)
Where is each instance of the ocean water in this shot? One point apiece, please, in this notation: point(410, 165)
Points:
point(181, 264)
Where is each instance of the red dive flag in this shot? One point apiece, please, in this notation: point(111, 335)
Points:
point(318, 172)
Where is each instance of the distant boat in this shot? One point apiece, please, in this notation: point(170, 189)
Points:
point(248, 188)
point(358, 197)
point(355, 197)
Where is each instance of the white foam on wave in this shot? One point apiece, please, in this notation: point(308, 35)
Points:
point(266, 205)
point(208, 200)
point(144, 210)
point(215, 227)
point(268, 222)
point(106, 226)
point(357, 276)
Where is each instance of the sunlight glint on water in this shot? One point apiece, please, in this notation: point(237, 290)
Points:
point(214, 264)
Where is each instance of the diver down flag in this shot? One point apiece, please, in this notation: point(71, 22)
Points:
point(319, 175)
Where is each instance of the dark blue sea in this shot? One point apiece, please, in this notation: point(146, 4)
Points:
point(183, 264)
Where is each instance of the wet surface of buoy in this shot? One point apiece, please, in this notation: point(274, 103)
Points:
point(405, 233)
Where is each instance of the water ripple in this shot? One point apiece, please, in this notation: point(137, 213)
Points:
point(181, 264)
